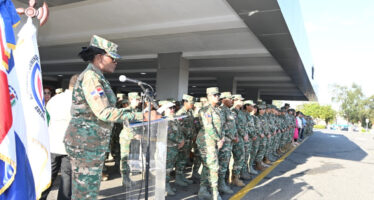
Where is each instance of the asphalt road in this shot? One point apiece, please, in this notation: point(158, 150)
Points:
point(328, 165)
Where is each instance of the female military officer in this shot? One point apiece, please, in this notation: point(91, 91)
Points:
point(93, 113)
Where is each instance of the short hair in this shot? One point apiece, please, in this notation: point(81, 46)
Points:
point(73, 80)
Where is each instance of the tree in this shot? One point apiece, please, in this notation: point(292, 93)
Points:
point(351, 102)
point(315, 110)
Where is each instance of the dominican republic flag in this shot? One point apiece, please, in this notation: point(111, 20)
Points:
point(25, 166)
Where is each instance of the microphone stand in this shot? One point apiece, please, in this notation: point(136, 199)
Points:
point(149, 96)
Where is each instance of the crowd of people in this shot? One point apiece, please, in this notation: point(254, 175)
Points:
point(87, 121)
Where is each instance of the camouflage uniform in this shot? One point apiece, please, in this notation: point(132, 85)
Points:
point(271, 125)
point(174, 138)
point(88, 135)
point(209, 135)
point(187, 130)
point(197, 126)
point(125, 137)
point(256, 144)
point(229, 132)
point(263, 144)
point(238, 147)
point(251, 133)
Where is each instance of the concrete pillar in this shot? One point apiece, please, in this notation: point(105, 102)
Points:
point(172, 76)
point(252, 94)
point(226, 84)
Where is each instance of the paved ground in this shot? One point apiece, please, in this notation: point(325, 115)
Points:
point(328, 165)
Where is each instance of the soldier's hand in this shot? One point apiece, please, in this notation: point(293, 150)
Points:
point(246, 138)
point(262, 135)
point(138, 137)
point(220, 143)
point(180, 145)
point(154, 116)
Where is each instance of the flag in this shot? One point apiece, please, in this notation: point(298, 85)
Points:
point(25, 170)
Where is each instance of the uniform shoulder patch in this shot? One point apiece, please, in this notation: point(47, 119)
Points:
point(97, 92)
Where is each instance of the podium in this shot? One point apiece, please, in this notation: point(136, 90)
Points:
point(137, 161)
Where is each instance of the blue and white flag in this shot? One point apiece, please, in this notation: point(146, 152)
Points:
point(25, 166)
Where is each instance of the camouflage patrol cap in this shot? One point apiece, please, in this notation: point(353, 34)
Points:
point(250, 102)
point(237, 97)
point(109, 47)
point(134, 95)
point(212, 90)
point(203, 99)
point(283, 109)
point(124, 101)
point(226, 95)
point(261, 106)
point(268, 106)
point(188, 98)
point(198, 104)
point(120, 96)
point(161, 103)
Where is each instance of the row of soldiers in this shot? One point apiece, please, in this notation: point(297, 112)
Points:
point(219, 127)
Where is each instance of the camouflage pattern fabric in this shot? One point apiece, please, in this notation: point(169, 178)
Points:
point(229, 132)
point(125, 137)
point(256, 143)
point(239, 147)
point(251, 133)
point(188, 131)
point(174, 138)
point(263, 144)
point(93, 113)
point(209, 135)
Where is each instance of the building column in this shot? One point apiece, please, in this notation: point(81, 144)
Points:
point(172, 76)
point(252, 94)
point(226, 84)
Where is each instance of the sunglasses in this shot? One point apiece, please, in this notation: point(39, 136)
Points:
point(113, 59)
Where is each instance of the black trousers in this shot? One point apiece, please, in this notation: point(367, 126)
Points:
point(60, 162)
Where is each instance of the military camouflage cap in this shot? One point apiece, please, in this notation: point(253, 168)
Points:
point(120, 96)
point(134, 95)
point(165, 102)
point(188, 98)
point(261, 106)
point(269, 106)
point(198, 104)
point(203, 99)
point(212, 90)
point(225, 95)
point(125, 101)
point(237, 97)
point(109, 47)
point(283, 109)
point(250, 102)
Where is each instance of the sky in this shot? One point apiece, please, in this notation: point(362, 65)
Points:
point(341, 40)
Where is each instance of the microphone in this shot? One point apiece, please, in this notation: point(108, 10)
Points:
point(123, 78)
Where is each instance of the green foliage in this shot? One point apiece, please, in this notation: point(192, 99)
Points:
point(319, 126)
point(353, 105)
point(317, 111)
point(351, 101)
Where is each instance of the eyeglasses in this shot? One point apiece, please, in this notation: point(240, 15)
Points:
point(113, 59)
